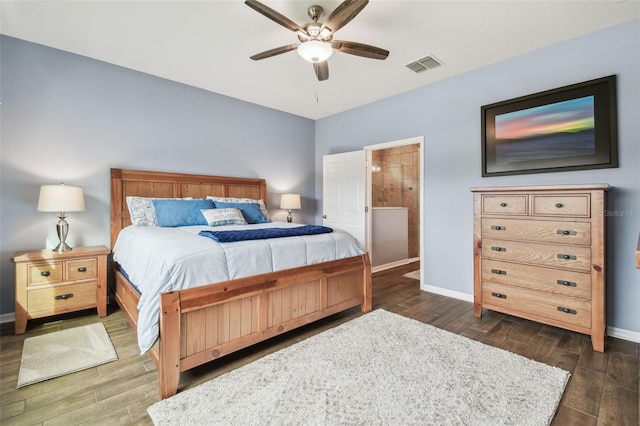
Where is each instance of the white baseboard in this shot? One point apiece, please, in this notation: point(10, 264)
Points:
point(449, 293)
point(623, 334)
point(10, 317)
point(618, 333)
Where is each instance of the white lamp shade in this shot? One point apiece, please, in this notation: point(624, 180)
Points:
point(61, 198)
point(315, 50)
point(290, 201)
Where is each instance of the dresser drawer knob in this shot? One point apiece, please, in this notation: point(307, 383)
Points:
point(503, 204)
point(567, 310)
point(82, 269)
point(45, 273)
point(499, 228)
point(567, 283)
point(499, 295)
point(559, 205)
point(566, 257)
point(566, 232)
point(498, 272)
point(64, 296)
point(498, 249)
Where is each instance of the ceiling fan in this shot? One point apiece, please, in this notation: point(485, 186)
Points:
point(316, 39)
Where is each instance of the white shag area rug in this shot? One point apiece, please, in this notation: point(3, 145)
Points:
point(62, 352)
point(378, 369)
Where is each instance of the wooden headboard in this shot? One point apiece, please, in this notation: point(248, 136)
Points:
point(173, 185)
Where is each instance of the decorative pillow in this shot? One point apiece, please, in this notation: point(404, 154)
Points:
point(250, 211)
point(219, 217)
point(181, 212)
point(142, 212)
point(263, 208)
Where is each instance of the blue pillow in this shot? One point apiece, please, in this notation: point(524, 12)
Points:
point(181, 212)
point(250, 211)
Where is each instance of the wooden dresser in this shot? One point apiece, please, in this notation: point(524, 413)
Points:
point(539, 253)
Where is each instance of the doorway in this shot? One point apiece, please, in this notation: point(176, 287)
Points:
point(394, 199)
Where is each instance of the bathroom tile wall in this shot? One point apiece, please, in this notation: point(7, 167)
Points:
point(396, 183)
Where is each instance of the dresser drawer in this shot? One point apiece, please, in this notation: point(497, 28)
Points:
point(44, 273)
point(539, 254)
point(578, 233)
point(546, 305)
point(561, 205)
point(62, 298)
point(556, 281)
point(504, 204)
point(81, 269)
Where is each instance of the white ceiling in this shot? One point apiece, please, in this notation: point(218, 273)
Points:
point(207, 44)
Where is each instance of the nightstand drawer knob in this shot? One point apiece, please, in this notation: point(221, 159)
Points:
point(566, 232)
point(500, 295)
point(498, 249)
point(64, 296)
point(499, 228)
point(82, 269)
point(498, 272)
point(503, 204)
point(559, 205)
point(567, 310)
point(45, 273)
point(567, 283)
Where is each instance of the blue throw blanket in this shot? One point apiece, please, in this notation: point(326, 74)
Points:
point(263, 234)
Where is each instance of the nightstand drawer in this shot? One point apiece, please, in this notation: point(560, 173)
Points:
point(561, 205)
point(504, 204)
point(62, 298)
point(44, 273)
point(81, 269)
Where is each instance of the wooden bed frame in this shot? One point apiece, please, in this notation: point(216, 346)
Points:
point(201, 324)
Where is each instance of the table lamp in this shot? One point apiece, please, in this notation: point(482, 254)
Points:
point(62, 199)
point(290, 202)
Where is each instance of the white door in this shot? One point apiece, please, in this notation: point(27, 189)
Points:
point(344, 182)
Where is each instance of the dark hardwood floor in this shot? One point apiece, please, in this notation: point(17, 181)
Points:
point(603, 389)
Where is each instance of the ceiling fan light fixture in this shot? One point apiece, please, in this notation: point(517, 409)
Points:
point(315, 50)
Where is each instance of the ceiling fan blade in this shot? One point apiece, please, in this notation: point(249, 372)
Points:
point(360, 49)
point(343, 14)
point(273, 52)
point(322, 70)
point(274, 16)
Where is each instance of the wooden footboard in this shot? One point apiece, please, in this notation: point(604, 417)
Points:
point(204, 323)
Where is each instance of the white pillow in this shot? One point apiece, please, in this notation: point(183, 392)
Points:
point(263, 208)
point(218, 217)
point(142, 211)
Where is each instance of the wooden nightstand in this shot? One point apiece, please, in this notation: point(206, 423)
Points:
point(50, 283)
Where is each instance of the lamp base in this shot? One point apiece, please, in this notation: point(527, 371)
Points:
point(62, 228)
point(62, 247)
point(289, 217)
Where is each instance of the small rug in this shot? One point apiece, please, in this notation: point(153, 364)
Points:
point(413, 274)
point(67, 351)
point(378, 369)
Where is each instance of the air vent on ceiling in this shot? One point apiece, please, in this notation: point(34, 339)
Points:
point(424, 64)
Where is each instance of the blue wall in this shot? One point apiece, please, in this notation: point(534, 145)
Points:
point(447, 114)
point(69, 118)
point(66, 117)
